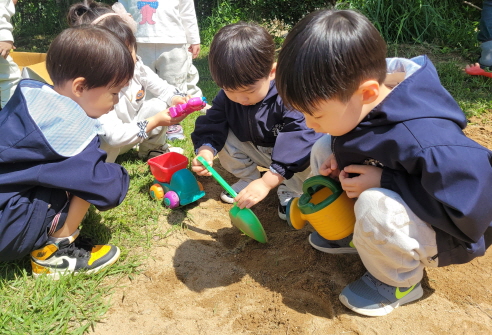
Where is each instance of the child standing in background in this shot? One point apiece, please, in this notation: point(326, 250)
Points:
point(134, 119)
point(51, 166)
point(248, 125)
point(168, 38)
point(9, 71)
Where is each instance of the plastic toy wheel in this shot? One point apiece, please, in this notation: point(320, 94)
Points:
point(200, 186)
point(171, 199)
point(157, 192)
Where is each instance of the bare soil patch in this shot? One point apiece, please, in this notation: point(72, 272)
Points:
point(210, 279)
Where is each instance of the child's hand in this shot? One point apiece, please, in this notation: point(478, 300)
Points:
point(256, 191)
point(164, 118)
point(369, 177)
point(5, 47)
point(194, 49)
point(329, 167)
point(208, 154)
point(177, 99)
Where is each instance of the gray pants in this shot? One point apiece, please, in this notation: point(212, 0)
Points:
point(242, 159)
point(393, 243)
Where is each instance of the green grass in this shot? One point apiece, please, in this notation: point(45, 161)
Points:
point(75, 304)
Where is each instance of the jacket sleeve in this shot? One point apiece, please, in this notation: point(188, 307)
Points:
point(87, 176)
point(7, 9)
point(453, 196)
point(190, 24)
point(116, 132)
point(292, 149)
point(213, 127)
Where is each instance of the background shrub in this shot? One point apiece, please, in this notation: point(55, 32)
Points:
point(450, 24)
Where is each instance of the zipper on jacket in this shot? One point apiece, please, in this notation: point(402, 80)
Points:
point(250, 125)
point(334, 138)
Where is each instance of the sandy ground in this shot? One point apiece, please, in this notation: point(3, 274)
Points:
point(210, 279)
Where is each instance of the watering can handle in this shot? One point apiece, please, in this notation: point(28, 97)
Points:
point(217, 177)
point(333, 185)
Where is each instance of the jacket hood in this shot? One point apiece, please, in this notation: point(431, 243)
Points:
point(420, 95)
point(43, 125)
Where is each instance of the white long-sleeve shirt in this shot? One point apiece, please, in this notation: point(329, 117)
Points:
point(120, 125)
point(7, 9)
point(167, 22)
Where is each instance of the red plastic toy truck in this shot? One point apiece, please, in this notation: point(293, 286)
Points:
point(173, 183)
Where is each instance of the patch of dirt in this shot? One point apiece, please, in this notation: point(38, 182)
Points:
point(210, 279)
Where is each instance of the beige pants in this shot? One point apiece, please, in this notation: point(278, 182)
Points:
point(173, 63)
point(393, 243)
point(9, 77)
point(157, 136)
point(243, 158)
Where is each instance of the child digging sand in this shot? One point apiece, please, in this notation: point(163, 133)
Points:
point(248, 124)
point(422, 187)
point(51, 167)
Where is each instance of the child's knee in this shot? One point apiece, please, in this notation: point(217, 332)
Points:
point(380, 211)
point(320, 151)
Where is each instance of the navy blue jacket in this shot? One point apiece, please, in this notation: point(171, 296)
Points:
point(31, 169)
point(443, 176)
point(267, 124)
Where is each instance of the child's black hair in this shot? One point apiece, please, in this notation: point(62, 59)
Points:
point(91, 52)
point(327, 55)
point(87, 11)
point(241, 54)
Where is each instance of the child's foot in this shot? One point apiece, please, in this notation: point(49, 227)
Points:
point(238, 187)
point(342, 246)
point(226, 197)
point(205, 109)
point(68, 256)
point(284, 196)
point(147, 153)
point(476, 70)
point(175, 132)
point(370, 296)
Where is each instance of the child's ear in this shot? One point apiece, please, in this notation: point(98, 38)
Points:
point(369, 91)
point(271, 75)
point(78, 86)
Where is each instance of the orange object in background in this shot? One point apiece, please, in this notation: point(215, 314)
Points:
point(32, 65)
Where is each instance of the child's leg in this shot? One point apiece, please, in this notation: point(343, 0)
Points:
point(320, 151)
point(77, 209)
point(156, 144)
point(9, 77)
point(395, 245)
point(170, 63)
point(192, 79)
point(65, 253)
point(156, 137)
point(242, 160)
point(290, 188)
point(149, 53)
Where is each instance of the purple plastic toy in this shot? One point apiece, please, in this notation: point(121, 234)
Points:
point(192, 105)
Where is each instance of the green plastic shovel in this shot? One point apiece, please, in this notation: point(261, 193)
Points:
point(243, 219)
